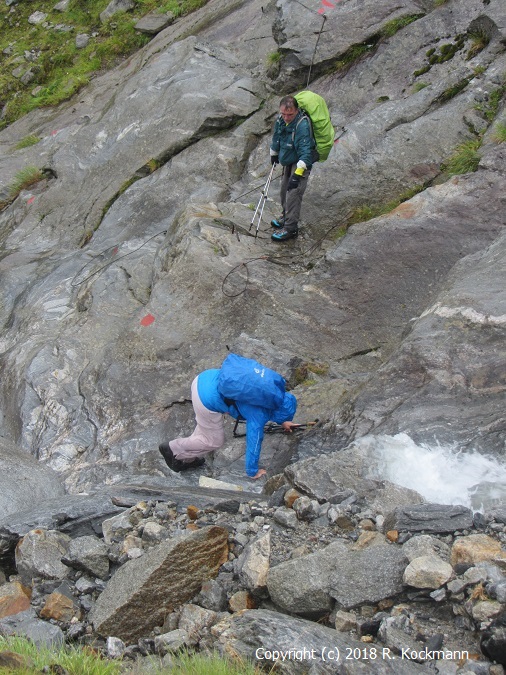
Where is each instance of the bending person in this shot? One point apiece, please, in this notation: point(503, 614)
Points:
point(209, 405)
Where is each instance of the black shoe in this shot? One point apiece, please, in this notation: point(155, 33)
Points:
point(283, 235)
point(278, 223)
point(194, 464)
point(173, 463)
point(178, 465)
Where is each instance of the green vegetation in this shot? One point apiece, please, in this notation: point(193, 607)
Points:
point(465, 159)
point(87, 661)
point(353, 54)
point(419, 86)
point(438, 3)
point(490, 107)
point(27, 141)
point(365, 212)
point(303, 372)
point(392, 27)
point(56, 68)
point(479, 40)
point(25, 178)
point(274, 57)
point(449, 93)
point(499, 135)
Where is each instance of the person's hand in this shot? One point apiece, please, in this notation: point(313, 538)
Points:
point(288, 426)
point(293, 183)
point(259, 474)
point(274, 160)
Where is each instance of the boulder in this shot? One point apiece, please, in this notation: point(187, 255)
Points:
point(26, 624)
point(88, 554)
point(299, 646)
point(437, 518)
point(39, 554)
point(143, 591)
point(14, 598)
point(24, 480)
point(476, 548)
point(154, 22)
point(253, 564)
point(309, 585)
point(427, 571)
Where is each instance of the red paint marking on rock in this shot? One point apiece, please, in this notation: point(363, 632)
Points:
point(31, 200)
point(147, 320)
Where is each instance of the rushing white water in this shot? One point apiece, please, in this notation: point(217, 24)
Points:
point(440, 473)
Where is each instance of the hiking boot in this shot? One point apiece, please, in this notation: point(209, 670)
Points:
point(175, 464)
point(284, 234)
point(194, 464)
point(278, 223)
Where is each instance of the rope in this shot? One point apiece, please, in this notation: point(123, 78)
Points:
point(315, 48)
point(276, 259)
point(75, 283)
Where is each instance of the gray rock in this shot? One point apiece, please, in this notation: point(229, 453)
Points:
point(61, 6)
point(75, 515)
point(154, 22)
point(324, 477)
point(23, 480)
point(286, 517)
point(253, 564)
point(427, 571)
point(82, 40)
point(89, 554)
point(43, 634)
point(143, 591)
point(114, 7)
point(263, 635)
point(115, 647)
point(438, 518)
point(39, 554)
point(195, 622)
point(37, 18)
point(212, 596)
point(309, 585)
point(171, 642)
point(306, 509)
point(426, 544)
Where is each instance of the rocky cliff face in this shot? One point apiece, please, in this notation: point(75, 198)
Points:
point(121, 277)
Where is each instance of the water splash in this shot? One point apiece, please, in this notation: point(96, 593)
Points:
point(440, 473)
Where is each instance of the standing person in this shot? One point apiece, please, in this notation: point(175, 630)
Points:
point(209, 405)
point(292, 146)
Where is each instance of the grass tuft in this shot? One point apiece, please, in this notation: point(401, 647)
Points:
point(465, 159)
point(27, 142)
point(499, 135)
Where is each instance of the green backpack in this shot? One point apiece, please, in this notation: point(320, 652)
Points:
point(323, 131)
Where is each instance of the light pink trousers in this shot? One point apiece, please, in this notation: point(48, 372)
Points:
point(209, 433)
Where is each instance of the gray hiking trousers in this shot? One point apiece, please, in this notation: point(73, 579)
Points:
point(291, 200)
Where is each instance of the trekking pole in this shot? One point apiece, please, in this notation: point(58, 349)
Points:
point(273, 428)
point(261, 202)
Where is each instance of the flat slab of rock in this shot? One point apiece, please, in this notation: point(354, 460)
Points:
point(154, 22)
point(440, 518)
point(144, 590)
point(300, 646)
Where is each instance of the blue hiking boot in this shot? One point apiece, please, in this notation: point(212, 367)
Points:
point(278, 223)
point(284, 234)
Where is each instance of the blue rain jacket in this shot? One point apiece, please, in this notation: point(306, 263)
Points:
point(256, 417)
